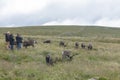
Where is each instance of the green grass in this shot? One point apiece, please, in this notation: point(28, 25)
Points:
point(102, 62)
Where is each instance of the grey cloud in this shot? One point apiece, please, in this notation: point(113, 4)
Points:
point(93, 12)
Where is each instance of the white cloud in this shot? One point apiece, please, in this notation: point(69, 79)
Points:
point(67, 22)
point(12, 25)
point(14, 7)
point(108, 22)
point(101, 22)
point(55, 12)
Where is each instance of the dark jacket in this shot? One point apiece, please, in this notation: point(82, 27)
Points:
point(11, 39)
point(19, 39)
point(7, 37)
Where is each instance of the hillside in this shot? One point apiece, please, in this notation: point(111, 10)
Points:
point(102, 62)
point(82, 31)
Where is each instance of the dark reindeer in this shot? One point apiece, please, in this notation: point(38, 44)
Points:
point(47, 41)
point(83, 45)
point(49, 60)
point(90, 47)
point(76, 45)
point(62, 44)
point(29, 42)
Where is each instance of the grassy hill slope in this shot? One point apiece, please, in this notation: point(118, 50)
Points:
point(102, 62)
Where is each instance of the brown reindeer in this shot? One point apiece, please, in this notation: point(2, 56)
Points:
point(30, 42)
point(62, 44)
point(90, 47)
point(83, 45)
point(47, 41)
point(76, 45)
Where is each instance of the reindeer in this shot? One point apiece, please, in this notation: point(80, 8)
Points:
point(62, 44)
point(90, 47)
point(67, 55)
point(47, 41)
point(29, 42)
point(83, 45)
point(76, 45)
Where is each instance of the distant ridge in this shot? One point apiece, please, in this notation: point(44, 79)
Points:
point(66, 30)
point(61, 25)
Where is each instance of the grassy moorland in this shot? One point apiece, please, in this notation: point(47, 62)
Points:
point(103, 62)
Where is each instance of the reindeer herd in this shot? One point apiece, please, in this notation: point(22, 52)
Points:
point(32, 42)
point(66, 54)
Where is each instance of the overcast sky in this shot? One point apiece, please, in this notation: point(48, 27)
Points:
point(59, 12)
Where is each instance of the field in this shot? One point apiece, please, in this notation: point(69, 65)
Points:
point(103, 62)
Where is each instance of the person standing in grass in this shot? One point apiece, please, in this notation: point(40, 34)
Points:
point(11, 38)
point(19, 41)
point(7, 40)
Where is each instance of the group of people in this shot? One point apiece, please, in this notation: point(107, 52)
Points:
point(11, 40)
